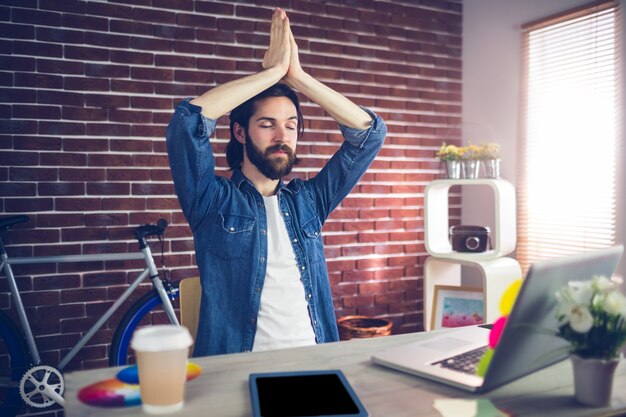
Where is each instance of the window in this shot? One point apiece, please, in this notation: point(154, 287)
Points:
point(570, 141)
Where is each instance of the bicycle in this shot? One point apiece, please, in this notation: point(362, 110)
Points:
point(26, 380)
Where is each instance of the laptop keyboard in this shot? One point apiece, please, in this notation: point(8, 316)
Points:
point(465, 362)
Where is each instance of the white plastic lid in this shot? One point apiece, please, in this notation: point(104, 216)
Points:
point(161, 337)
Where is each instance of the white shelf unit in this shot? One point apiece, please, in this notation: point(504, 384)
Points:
point(497, 275)
point(444, 266)
point(437, 225)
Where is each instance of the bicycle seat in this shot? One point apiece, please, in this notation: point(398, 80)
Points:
point(7, 222)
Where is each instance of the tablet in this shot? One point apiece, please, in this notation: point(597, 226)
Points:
point(304, 393)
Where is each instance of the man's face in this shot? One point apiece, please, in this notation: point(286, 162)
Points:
point(271, 137)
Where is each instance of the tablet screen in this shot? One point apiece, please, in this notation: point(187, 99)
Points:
point(310, 393)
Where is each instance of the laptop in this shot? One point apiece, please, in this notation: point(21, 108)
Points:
point(522, 349)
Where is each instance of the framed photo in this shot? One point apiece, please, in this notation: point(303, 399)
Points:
point(457, 306)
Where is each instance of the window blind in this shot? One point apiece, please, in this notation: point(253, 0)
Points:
point(570, 133)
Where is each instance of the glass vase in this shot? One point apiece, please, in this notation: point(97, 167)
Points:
point(593, 380)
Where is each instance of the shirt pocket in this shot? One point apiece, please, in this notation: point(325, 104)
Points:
point(231, 236)
point(312, 232)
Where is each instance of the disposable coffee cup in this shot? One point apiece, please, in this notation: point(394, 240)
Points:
point(162, 352)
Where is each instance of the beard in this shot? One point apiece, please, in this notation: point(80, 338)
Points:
point(273, 168)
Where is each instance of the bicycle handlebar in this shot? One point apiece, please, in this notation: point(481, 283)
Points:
point(146, 230)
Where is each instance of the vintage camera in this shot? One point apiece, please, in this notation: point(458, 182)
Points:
point(469, 238)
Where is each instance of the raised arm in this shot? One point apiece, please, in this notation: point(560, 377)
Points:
point(341, 109)
point(223, 98)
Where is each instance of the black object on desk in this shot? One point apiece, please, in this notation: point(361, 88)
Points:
point(304, 393)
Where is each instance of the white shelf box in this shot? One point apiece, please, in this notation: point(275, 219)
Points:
point(497, 275)
point(437, 224)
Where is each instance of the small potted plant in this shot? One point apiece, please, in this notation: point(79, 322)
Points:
point(470, 155)
point(489, 154)
point(592, 318)
point(450, 157)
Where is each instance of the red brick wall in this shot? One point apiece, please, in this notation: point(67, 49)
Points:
point(87, 89)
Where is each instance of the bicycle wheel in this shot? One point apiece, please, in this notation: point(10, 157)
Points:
point(14, 361)
point(145, 311)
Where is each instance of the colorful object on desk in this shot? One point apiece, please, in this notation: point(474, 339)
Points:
point(110, 393)
point(122, 391)
point(506, 305)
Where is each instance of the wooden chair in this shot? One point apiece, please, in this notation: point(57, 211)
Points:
point(190, 291)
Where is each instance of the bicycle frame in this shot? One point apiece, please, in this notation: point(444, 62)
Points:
point(150, 270)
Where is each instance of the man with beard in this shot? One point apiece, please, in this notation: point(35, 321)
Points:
point(258, 240)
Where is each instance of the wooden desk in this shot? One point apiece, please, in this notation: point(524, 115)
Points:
point(222, 389)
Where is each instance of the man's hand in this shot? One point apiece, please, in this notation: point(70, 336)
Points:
point(278, 53)
point(295, 70)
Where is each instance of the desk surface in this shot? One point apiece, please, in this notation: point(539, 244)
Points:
point(222, 389)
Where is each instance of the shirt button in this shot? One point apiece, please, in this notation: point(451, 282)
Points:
point(262, 259)
point(287, 213)
point(232, 229)
point(315, 322)
point(303, 267)
point(258, 290)
point(309, 295)
point(295, 241)
point(263, 231)
point(251, 321)
point(316, 233)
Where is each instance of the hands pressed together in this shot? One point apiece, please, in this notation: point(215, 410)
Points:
point(282, 52)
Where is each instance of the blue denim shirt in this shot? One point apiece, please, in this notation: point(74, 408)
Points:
point(229, 225)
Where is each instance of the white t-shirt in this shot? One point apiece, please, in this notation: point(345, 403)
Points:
point(284, 319)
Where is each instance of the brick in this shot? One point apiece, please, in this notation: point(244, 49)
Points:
point(12, 205)
point(77, 204)
point(85, 145)
point(124, 174)
point(60, 67)
point(32, 174)
point(106, 70)
point(32, 80)
point(85, 22)
point(132, 86)
point(16, 189)
point(86, 174)
point(86, 84)
point(107, 129)
point(60, 97)
point(37, 143)
point(132, 57)
point(150, 44)
point(105, 188)
point(60, 188)
point(123, 204)
point(128, 116)
point(61, 128)
point(84, 113)
point(107, 100)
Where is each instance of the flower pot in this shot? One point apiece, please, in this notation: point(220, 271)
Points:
point(363, 327)
point(471, 169)
point(593, 380)
point(452, 169)
point(492, 168)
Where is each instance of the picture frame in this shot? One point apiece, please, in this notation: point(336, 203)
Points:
point(457, 306)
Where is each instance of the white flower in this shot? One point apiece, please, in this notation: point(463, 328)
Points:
point(602, 284)
point(580, 319)
point(614, 303)
point(581, 292)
